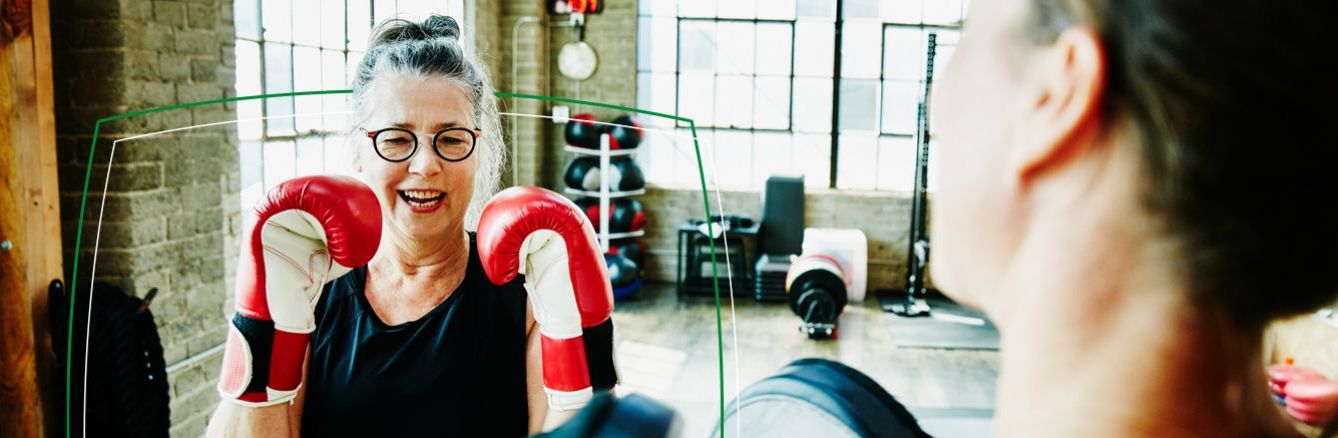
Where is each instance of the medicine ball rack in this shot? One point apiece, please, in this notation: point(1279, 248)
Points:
point(605, 153)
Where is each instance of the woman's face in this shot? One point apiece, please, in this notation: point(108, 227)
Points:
point(424, 197)
point(977, 104)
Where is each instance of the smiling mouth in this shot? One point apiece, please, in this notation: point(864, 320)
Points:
point(422, 199)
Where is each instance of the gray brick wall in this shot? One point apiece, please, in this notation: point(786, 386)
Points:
point(171, 217)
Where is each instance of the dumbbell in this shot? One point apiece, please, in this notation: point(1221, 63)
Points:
point(816, 290)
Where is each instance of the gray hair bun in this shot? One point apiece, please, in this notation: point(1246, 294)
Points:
point(399, 29)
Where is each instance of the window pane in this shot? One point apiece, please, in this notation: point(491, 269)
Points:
point(859, 104)
point(696, 8)
point(773, 48)
point(249, 161)
point(698, 43)
point(278, 17)
point(248, 68)
point(812, 105)
point(248, 120)
point(735, 41)
point(857, 160)
point(696, 97)
point(359, 24)
point(813, 48)
point(659, 8)
point(306, 22)
point(772, 155)
point(644, 31)
point(246, 18)
point(663, 53)
point(901, 100)
point(655, 92)
point(307, 75)
point(353, 60)
point(904, 56)
point(771, 96)
point(776, 10)
point(279, 162)
point(737, 8)
point(339, 154)
point(732, 148)
point(861, 9)
point(332, 24)
point(278, 79)
point(902, 11)
point(816, 8)
point(943, 12)
point(332, 78)
point(383, 10)
point(812, 158)
point(310, 155)
point(685, 167)
point(896, 163)
point(657, 155)
point(734, 101)
point(859, 49)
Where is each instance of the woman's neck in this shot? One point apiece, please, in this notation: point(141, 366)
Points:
point(1114, 347)
point(410, 277)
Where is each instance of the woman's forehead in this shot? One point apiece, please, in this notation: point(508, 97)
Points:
point(418, 102)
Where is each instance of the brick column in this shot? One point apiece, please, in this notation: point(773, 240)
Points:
point(171, 211)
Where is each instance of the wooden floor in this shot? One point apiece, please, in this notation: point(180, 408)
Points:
point(667, 349)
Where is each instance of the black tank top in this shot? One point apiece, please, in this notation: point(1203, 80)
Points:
point(457, 371)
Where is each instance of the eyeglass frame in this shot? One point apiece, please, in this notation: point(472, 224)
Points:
point(473, 135)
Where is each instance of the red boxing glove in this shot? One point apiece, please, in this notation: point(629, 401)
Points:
point(545, 237)
point(308, 231)
point(1279, 375)
point(1310, 397)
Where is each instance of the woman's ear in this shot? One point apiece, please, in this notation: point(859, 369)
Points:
point(355, 152)
point(1067, 83)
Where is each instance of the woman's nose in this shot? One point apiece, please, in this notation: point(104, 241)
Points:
point(425, 161)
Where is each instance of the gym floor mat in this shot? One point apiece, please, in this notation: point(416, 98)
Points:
point(943, 329)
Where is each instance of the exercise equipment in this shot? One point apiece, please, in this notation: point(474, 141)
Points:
point(538, 234)
point(126, 392)
point(818, 398)
point(624, 275)
point(633, 249)
point(850, 248)
point(781, 234)
point(581, 131)
point(816, 291)
point(622, 271)
point(734, 252)
point(624, 175)
point(917, 251)
point(332, 222)
point(624, 133)
point(624, 215)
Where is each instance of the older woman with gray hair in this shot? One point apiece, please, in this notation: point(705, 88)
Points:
point(417, 341)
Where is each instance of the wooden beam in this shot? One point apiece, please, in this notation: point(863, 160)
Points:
point(29, 217)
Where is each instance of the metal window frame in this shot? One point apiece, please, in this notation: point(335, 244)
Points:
point(838, 23)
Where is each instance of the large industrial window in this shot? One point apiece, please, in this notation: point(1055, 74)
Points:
point(757, 76)
point(304, 45)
